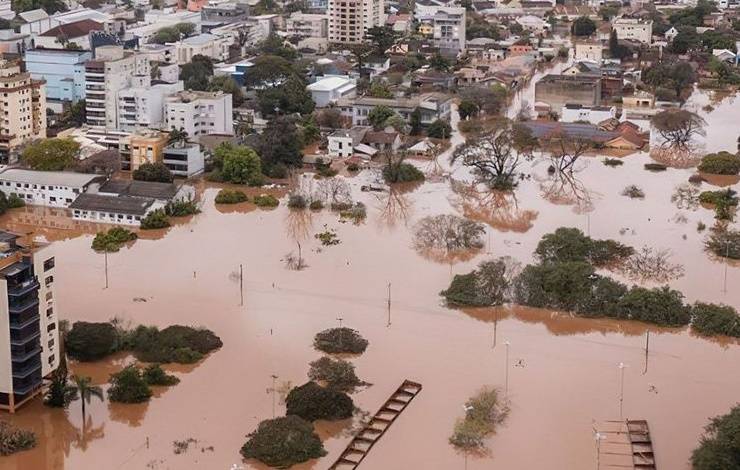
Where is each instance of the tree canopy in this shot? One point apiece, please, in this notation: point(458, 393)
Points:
point(173, 33)
point(50, 154)
point(239, 164)
point(283, 442)
point(153, 172)
point(719, 447)
point(583, 26)
point(280, 145)
point(288, 98)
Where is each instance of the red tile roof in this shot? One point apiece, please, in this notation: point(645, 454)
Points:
point(74, 30)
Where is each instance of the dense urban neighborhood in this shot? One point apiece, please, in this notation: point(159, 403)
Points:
point(386, 234)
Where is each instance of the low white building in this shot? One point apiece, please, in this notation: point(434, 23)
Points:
point(186, 160)
point(329, 89)
point(533, 23)
point(306, 25)
point(340, 144)
point(121, 210)
point(590, 114)
point(200, 113)
point(590, 51)
point(634, 29)
point(47, 188)
point(432, 106)
point(209, 45)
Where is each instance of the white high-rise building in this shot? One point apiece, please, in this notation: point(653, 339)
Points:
point(29, 321)
point(112, 70)
point(349, 20)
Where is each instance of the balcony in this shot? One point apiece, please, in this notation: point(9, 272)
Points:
point(21, 371)
point(20, 321)
point(22, 305)
point(28, 384)
point(25, 335)
point(21, 354)
point(22, 288)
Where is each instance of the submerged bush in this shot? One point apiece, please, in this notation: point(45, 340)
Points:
point(153, 374)
point(311, 401)
point(112, 240)
point(156, 219)
point(720, 163)
point(402, 173)
point(662, 306)
point(448, 232)
point(14, 440)
point(713, 319)
point(283, 442)
point(337, 374)
point(340, 340)
point(724, 242)
point(488, 285)
point(181, 208)
point(722, 197)
point(297, 201)
point(228, 196)
point(483, 412)
point(266, 200)
point(176, 343)
point(128, 386)
point(91, 341)
point(633, 192)
point(655, 167)
point(613, 162)
point(356, 213)
point(570, 244)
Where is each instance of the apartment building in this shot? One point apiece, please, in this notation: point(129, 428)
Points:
point(209, 45)
point(200, 113)
point(306, 25)
point(634, 29)
point(63, 70)
point(184, 160)
point(144, 146)
point(46, 188)
point(445, 26)
point(142, 105)
point(22, 109)
point(349, 20)
point(29, 320)
point(111, 71)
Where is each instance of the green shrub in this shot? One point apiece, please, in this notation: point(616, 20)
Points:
point(662, 306)
point(353, 167)
point(724, 196)
point(340, 340)
point(153, 172)
point(311, 401)
point(153, 374)
point(337, 374)
point(613, 162)
point(112, 240)
point(483, 412)
point(721, 163)
point(401, 173)
point(228, 196)
point(439, 129)
point(181, 208)
point(266, 200)
point(719, 447)
point(463, 290)
point(14, 440)
point(324, 168)
point(713, 319)
point(91, 341)
point(356, 213)
point(724, 242)
point(156, 219)
point(570, 244)
point(316, 205)
point(128, 386)
point(655, 167)
point(14, 202)
point(556, 285)
point(488, 285)
point(297, 201)
point(176, 343)
point(283, 442)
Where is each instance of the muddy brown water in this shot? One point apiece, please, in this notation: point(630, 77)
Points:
point(563, 374)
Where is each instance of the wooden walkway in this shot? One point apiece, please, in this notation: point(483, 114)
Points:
point(361, 444)
point(626, 445)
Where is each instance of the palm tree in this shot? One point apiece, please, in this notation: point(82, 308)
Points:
point(86, 391)
point(178, 137)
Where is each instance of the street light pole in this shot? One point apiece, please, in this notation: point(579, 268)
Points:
point(622, 366)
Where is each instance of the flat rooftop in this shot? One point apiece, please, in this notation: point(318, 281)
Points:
point(140, 189)
point(48, 178)
point(112, 204)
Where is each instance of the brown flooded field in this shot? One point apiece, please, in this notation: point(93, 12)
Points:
point(563, 374)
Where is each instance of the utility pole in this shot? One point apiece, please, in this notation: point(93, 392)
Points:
point(274, 377)
point(506, 381)
point(241, 284)
point(727, 259)
point(106, 268)
point(647, 350)
point(389, 304)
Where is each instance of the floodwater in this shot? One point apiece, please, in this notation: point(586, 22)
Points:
point(563, 376)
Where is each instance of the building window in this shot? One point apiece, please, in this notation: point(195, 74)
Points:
point(49, 295)
point(48, 264)
point(51, 327)
point(50, 311)
point(49, 280)
point(51, 343)
point(51, 359)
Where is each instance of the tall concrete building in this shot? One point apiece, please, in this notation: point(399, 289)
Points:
point(63, 71)
point(200, 113)
point(22, 109)
point(29, 321)
point(349, 20)
point(111, 71)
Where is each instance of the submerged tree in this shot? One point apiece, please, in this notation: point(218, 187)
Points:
point(720, 445)
point(565, 149)
point(490, 284)
point(494, 155)
point(448, 233)
point(678, 127)
point(85, 390)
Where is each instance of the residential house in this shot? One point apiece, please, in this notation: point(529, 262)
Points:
point(590, 51)
point(590, 114)
point(635, 29)
point(328, 90)
point(432, 106)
